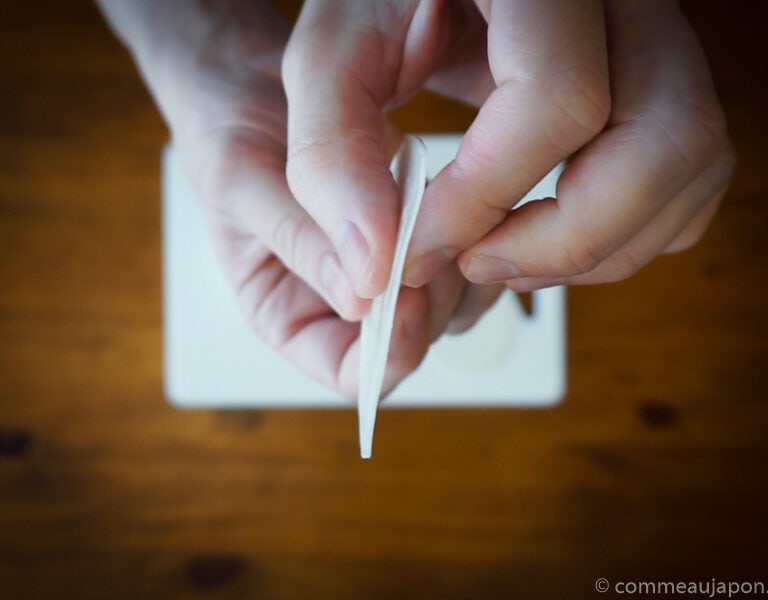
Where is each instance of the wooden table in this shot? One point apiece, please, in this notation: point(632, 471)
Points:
point(655, 467)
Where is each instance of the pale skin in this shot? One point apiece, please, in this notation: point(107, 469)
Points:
point(285, 135)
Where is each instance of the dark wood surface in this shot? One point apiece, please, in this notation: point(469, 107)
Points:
point(655, 466)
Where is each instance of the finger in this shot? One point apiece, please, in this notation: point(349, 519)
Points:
point(548, 60)
point(410, 337)
point(344, 63)
point(475, 300)
point(408, 346)
point(597, 209)
point(667, 128)
point(695, 229)
point(443, 293)
point(249, 205)
point(623, 263)
point(464, 73)
point(685, 218)
point(294, 320)
point(626, 262)
point(653, 240)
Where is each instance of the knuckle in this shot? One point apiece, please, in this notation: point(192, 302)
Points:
point(727, 163)
point(719, 175)
point(230, 153)
point(287, 235)
point(270, 319)
point(624, 265)
point(686, 240)
point(692, 233)
point(707, 116)
point(318, 153)
point(581, 103)
point(695, 131)
point(305, 160)
point(256, 293)
point(579, 255)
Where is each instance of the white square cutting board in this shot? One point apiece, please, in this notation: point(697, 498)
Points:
point(213, 359)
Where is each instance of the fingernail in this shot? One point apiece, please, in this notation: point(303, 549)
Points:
point(335, 282)
point(421, 269)
point(354, 252)
point(489, 269)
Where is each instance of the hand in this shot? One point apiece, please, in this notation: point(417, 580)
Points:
point(621, 87)
point(216, 78)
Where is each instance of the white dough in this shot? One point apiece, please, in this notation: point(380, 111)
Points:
point(409, 169)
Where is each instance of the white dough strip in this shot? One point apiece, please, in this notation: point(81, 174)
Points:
point(409, 169)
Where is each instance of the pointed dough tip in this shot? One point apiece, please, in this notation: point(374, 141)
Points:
point(367, 426)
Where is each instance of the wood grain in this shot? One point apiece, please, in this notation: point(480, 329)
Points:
point(655, 466)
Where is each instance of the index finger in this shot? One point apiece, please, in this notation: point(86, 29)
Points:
point(548, 60)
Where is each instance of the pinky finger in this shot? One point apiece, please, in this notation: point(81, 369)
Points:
point(626, 261)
